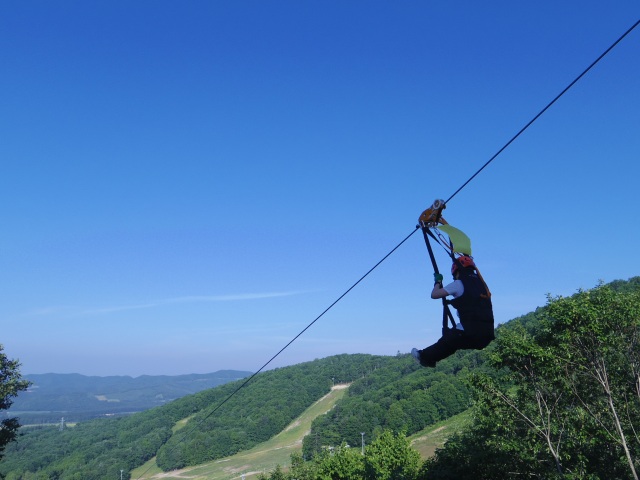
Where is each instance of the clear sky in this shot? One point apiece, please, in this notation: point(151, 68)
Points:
point(186, 185)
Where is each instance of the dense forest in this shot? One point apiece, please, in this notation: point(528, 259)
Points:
point(557, 395)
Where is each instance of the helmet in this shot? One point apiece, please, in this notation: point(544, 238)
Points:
point(465, 260)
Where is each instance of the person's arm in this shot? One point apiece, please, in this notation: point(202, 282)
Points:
point(438, 291)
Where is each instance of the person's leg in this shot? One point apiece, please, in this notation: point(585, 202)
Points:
point(449, 343)
point(477, 343)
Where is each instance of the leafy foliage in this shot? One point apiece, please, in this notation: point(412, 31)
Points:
point(11, 383)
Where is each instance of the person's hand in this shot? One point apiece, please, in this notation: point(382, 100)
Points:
point(437, 277)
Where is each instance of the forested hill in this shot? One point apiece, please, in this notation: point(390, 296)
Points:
point(379, 386)
point(381, 389)
point(79, 397)
point(101, 448)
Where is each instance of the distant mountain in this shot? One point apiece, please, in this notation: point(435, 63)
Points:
point(78, 397)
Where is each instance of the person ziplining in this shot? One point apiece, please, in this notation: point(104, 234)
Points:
point(471, 296)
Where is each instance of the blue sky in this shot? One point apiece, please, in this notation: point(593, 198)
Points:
point(186, 185)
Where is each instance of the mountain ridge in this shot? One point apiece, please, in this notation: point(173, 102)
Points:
point(79, 397)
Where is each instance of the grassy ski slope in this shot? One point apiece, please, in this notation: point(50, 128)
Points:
point(277, 451)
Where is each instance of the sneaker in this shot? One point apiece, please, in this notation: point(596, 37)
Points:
point(430, 364)
point(415, 353)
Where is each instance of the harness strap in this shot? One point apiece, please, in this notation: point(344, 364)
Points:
point(488, 294)
point(446, 312)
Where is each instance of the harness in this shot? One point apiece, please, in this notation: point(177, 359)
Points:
point(475, 305)
point(428, 221)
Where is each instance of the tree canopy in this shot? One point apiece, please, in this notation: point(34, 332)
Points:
point(11, 383)
point(389, 457)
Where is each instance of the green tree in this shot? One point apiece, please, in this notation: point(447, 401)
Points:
point(341, 463)
point(10, 384)
point(596, 336)
point(301, 470)
point(390, 457)
point(277, 474)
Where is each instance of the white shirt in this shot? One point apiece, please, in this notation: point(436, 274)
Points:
point(455, 289)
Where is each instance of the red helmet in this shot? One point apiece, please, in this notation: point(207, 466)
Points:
point(465, 260)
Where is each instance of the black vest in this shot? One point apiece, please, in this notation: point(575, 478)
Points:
point(474, 306)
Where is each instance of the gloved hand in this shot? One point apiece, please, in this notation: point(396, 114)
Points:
point(437, 277)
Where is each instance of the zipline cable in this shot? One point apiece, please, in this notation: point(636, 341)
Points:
point(247, 381)
point(545, 109)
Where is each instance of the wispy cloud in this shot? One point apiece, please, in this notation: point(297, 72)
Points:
point(238, 297)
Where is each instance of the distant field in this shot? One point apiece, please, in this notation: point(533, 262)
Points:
point(277, 451)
